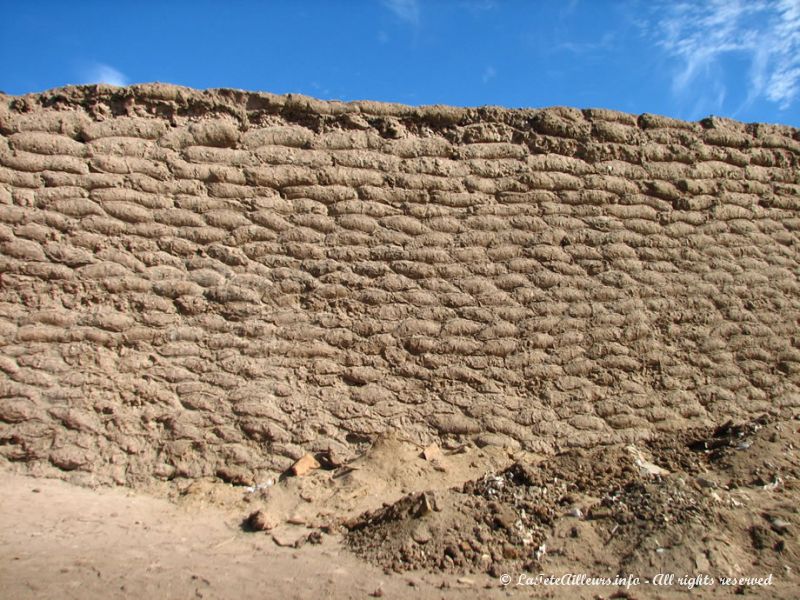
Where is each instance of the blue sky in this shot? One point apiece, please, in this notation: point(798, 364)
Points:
point(733, 58)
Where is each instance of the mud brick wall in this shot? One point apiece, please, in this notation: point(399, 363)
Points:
point(211, 283)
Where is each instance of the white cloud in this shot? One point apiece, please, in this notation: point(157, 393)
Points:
point(478, 6)
point(766, 33)
point(101, 73)
point(405, 10)
point(606, 43)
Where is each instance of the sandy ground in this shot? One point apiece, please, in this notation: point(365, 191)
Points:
point(692, 505)
point(63, 541)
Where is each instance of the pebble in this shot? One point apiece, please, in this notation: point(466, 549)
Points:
point(286, 538)
point(779, 525)
point(433, 452)
point(650, 469)
point(540, 552)
point(304, 465)
point(260, 521)
point(421, 534)
point(705, 482)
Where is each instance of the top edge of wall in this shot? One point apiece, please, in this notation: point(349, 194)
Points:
point(242, 104)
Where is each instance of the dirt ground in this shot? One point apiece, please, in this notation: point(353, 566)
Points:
point(404, 521)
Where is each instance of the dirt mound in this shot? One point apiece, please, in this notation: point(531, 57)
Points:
point(480, 527)
point(721, 502)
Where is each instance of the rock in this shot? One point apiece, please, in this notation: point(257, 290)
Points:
point(421, 533)
point(540, 552)
point(260, 521)
point(432, 453)
point(504, 517)
point(330, 459)
point(760, 537)
point(779, 525)
point(705, 482)
point(510, 552)
point(598, 513)
point(646, 468)
point(304, 465)
point(296, 520)
point(235, 475)
point(288, 537)
point(314, 538)
point(426, 503)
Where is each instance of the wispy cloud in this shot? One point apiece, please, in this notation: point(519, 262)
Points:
point(101, 73)
point(478, 6)
point(489, 73)
point(766, 33)
point(579, 47)
point(405, 10)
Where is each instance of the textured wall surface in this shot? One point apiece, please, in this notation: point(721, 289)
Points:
point(211, 283)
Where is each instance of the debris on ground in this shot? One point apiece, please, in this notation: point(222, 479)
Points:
point(681, 501)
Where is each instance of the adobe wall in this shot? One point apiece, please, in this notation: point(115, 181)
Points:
point(211, 283)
